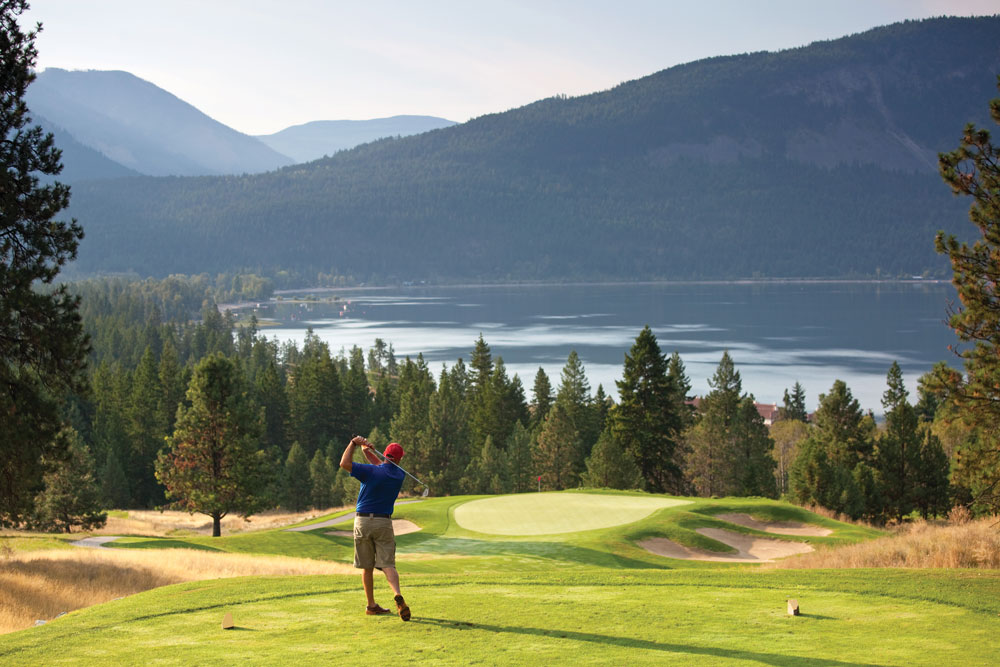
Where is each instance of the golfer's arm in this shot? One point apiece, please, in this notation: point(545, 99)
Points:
point(371, 456)
point(347, 460)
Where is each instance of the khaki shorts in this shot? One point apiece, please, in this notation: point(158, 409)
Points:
point(374, 542)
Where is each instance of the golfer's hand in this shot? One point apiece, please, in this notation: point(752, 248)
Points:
point(365, 444)
point(358, 440)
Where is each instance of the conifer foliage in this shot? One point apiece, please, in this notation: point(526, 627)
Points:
point(213, 464)
point(42, 346)
point(973, 169)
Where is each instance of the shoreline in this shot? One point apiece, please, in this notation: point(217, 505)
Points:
point(622, 283)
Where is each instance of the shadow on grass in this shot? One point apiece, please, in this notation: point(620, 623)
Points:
point(556, 551)
point(644, 644)
point(161, 544)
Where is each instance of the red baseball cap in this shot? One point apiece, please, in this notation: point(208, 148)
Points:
point(394, 451)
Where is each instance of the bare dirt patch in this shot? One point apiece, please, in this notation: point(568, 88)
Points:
point(399, 527)
point(776, 527)
point(749, 549)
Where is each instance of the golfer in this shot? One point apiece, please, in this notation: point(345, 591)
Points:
point(374, 540)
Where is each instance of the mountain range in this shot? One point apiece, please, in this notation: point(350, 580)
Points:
point(811, 162)
point(112, 124)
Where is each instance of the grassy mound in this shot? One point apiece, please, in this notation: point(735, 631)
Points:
point(553, 513)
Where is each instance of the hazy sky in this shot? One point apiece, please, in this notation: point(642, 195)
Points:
point(260, 66)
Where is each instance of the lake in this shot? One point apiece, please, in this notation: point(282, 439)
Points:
point(776, 333)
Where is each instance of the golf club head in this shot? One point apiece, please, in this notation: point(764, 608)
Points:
point(425, 493)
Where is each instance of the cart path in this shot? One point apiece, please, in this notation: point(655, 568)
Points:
point(96, 542)
point(333, 522)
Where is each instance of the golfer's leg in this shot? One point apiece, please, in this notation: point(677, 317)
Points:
point(392, 576)
point(368, 580)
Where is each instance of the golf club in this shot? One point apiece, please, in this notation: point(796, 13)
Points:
point(426, 489)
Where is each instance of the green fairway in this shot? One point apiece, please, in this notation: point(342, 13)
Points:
point(591, 596)
point(553, 513)
point(675, 617)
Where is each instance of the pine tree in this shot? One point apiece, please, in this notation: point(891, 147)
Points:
point(542, 399)
point(410, 425)
point(213, 465)
point(296, 484)
point(931, 492)
point(271, 395)
point(146, 431)
point(973, 170)
point(72, 495)
point(715, 446)
point(648, 419)
point(321, 478)
point(316, 399)
point(357, 397)
point(574, 396)
point(520, 459)
point(825, 471)
point(795, 404)
point(172, 382)
point(754, 456)
point(609, 466)
point(558, 444)
point(898, 453)
point(446, 440)
point(114, 484)
point(43, 348)
point(488, 472)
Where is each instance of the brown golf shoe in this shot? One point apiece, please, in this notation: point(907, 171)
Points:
point(376, 611)
point(404, 611)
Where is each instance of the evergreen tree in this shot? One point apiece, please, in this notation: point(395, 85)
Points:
point(754, 456)
point(316, 399)
point(213, 465)
point(648, 419)
point(973, 169)
point(931, 490)
point(609, 466)
point(114, 484)
point(296, 487)
point(172, 383)
point(520, 459)
point(825, 471)
point(481, 364)
point(574, 396)
point(321, 479)
point(678, 379)
point(795, 404)
point(72, 495)
point(542, 398)
point(43, 349)
point(271, 395)
point(488, 472)
point(558, 444)
point(383, 405)
point(146, 431)
point(898, 454)
point(447, 454)
point(357, 398)
point(410, 425)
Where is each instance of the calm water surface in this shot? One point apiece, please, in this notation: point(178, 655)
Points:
point(777, 334)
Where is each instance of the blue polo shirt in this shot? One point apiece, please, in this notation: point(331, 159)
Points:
point(380, 484)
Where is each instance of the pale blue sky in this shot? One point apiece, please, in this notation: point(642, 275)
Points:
point(260, 65)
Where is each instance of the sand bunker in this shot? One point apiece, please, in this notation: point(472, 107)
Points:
point(776, 527)
point(399, 526)
point(750, 549)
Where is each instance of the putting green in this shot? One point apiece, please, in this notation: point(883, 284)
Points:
point(550, 513)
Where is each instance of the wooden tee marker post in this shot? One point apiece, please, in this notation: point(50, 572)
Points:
point(227, 621)
point(793, 607)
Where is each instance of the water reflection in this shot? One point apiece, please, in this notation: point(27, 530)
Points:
point(777, 334)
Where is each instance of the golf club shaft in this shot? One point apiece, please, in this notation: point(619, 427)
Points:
point(384, 458)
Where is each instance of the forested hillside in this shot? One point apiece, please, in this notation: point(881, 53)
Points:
point(818, 161)
point(143, 127)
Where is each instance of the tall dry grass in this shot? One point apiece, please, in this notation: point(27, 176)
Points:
point(152, 523)
point(973, 544)
point(42, 584)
